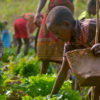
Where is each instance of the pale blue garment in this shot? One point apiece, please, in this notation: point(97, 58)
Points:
point(5, 38)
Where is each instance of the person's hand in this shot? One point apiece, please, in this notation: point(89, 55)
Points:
point(38, 18)
point(96, 49)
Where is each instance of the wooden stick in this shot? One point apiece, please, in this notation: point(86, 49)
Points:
point(97, 21)
point(92, 93)
point(96, 37)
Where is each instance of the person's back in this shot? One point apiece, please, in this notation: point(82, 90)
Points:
point(30, 18)
point(23, 26)
point(5, 36)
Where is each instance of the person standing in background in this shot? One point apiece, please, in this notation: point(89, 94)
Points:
point(90, 12)
point(23, 26)
point(5, 36)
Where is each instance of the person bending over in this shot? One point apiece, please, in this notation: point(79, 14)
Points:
point(79, 34)
point(23, 26)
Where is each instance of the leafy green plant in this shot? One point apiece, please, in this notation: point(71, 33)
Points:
point(28, 67)
point(1, 63)
point(5, 55)
point(3, 97)
point(8, 53)
point(27, 97)
point(25, 66)
point(38, 85)
point(34, 86)
point(1, 77)
point(67, 93)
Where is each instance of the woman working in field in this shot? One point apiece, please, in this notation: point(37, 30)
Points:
point(49, 47)
point(79, 34)
point(23, 26)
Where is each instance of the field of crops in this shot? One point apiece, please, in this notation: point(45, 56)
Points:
point(20, 77)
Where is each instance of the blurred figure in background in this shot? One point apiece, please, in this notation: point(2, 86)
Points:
point(91, 10)
point(23, 26)
point(5, 36)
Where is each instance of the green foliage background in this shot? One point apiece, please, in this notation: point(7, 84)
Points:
point(13, 8)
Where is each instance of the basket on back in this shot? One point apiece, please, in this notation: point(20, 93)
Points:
point(30, 19)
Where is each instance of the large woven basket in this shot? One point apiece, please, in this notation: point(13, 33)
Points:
point(85, 66)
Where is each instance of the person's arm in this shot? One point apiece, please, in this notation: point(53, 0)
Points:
point(63, 72)
point(38, 16)
point(41, 5)
point(62, 75)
